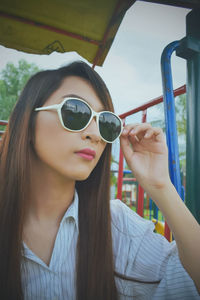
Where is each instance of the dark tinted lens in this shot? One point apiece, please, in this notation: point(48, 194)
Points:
point(109, 126)
point(75, 114)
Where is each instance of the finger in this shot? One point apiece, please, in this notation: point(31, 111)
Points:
point(141, 131)
point(126, 148)
point(140, 128)
point(128, 128)
point(133, 139)
point(145, 130)
point(160, 137)
point(149, 133)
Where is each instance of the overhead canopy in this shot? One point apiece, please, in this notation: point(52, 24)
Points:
point(180, 3)
point(43, 26)
point(85, 26)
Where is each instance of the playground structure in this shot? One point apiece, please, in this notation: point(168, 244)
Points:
point(94, 45)
point(140, 192)
point(129, 191)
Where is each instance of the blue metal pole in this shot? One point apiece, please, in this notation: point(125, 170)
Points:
point(170, 116)
point(157, 213)
point(150, 208)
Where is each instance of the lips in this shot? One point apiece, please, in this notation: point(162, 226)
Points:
point(87, 154)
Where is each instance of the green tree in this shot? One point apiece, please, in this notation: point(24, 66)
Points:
point(12, 80)
point(181, 115)
point(181, 118)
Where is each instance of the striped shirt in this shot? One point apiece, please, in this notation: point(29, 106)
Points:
point(138, 252)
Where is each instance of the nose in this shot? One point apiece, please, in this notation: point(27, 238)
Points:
point(91, 132)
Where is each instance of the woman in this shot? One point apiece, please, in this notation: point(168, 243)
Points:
point(60, 236)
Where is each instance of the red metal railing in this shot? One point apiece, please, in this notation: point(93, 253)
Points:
point(179, 91)
point(2, 123)
point(140, 207)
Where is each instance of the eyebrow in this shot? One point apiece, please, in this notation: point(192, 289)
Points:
point(74, 96)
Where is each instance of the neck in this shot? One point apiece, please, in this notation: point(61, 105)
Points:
point(50, 195)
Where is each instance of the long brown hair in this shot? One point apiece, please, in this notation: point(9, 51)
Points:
point(95, 271)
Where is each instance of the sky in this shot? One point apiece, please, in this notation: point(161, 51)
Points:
point(132, 67)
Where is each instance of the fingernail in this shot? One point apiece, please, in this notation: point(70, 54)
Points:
point(124, 131)
point(137, 138)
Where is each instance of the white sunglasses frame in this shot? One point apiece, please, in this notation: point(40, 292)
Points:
point(58, 108)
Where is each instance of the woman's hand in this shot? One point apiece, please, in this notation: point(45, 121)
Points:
point(145, 151)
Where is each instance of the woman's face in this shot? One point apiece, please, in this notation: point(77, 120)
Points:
point(58, 150)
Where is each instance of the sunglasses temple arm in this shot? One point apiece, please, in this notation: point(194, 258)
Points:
point(51, 107)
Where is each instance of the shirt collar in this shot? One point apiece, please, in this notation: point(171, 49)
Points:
point(72, 211)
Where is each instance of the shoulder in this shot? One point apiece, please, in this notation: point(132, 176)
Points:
point(142, 254)
point(126, 221)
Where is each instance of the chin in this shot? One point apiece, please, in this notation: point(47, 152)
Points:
point(77, 173)
point(81, 177)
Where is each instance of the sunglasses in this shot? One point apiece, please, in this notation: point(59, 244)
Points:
point(76, 114)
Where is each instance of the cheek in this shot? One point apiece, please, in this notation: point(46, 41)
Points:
point(50, 139)
point(45, 136)
point(54, 154)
